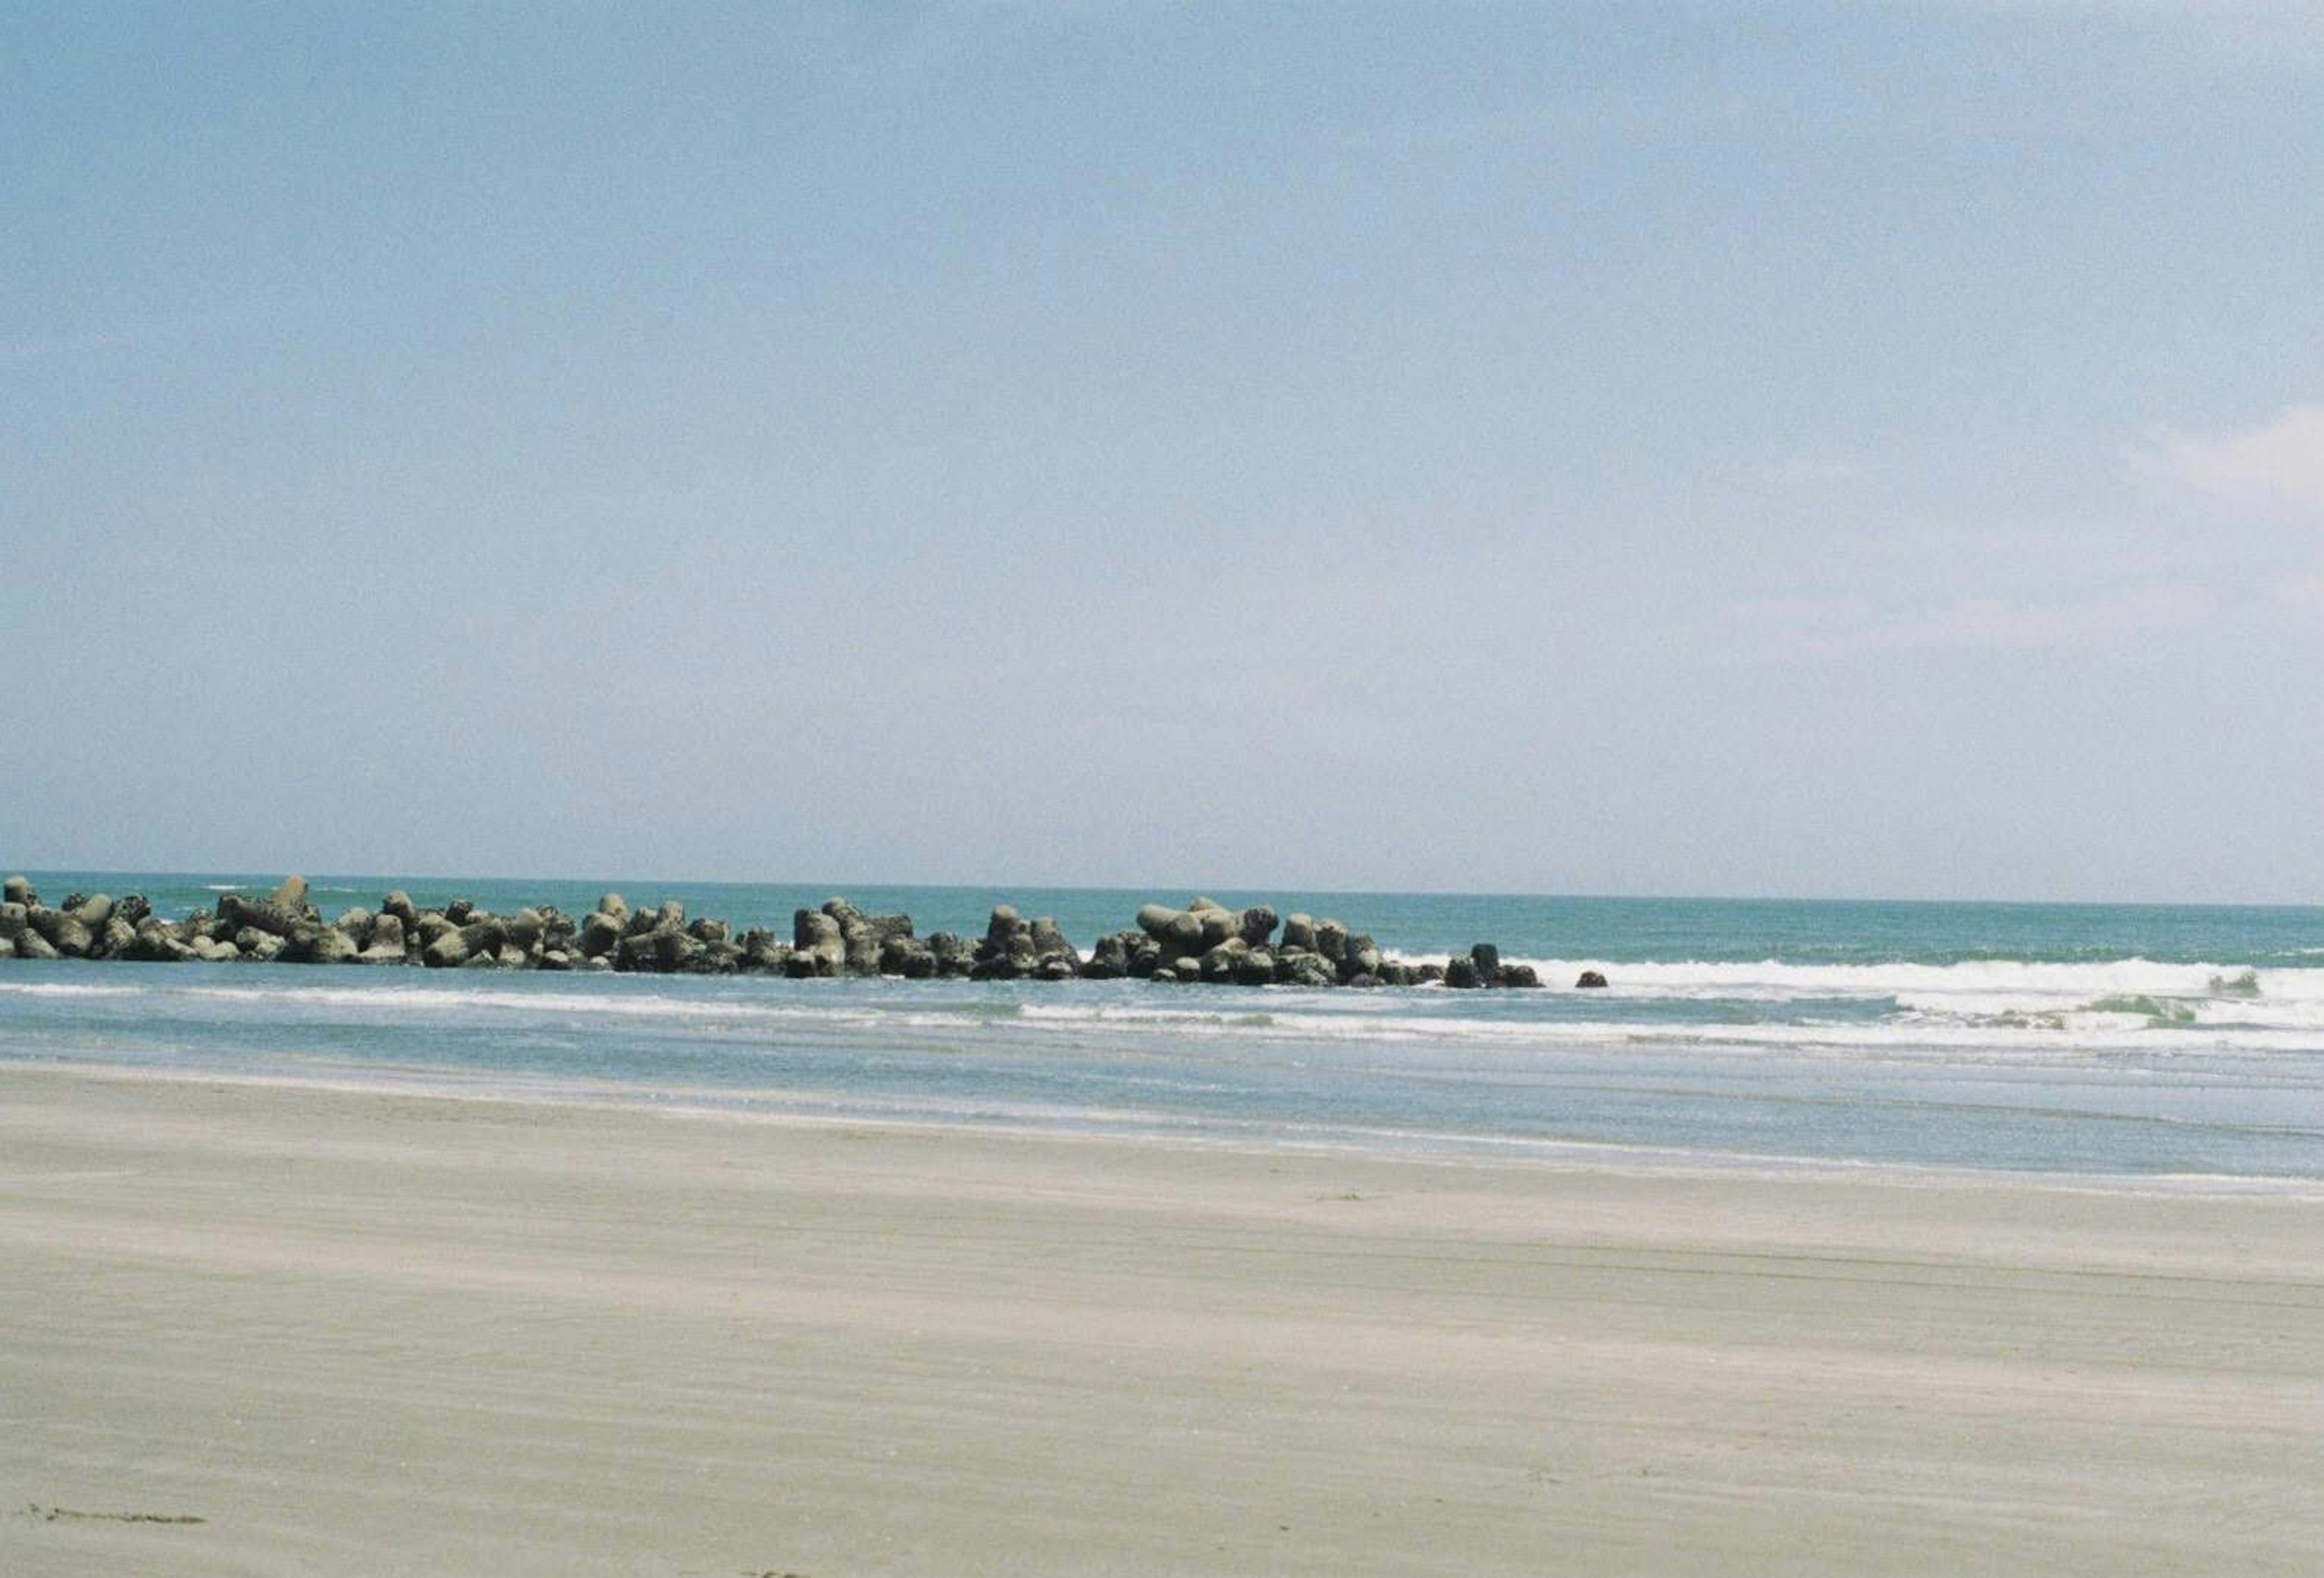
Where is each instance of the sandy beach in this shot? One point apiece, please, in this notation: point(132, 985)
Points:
point(285, 1329)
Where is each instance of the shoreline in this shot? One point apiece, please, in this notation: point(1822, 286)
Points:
point(396, 1332)
point(718, 1104)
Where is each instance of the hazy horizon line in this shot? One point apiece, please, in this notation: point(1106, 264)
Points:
point(1002, 890)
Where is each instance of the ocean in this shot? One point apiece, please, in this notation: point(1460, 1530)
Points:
point(2106, 1041)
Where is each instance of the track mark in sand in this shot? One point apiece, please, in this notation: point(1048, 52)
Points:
point(66, 1513)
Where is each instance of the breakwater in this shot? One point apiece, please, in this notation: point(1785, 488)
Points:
point(1204, 942)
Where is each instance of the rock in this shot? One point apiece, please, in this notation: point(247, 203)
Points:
point(818, 948)
point(860, 946)
point(907, 957)
point(1007, 951)
point(1179, 931)
point(318, 945)
point(1205, 941)
point(61, 929)
point(1007, 964)
point(763, 950)
point(678, 952)
point(484, 935)
point(154, 943)
point(1049, 943)
point(601, 932)
point(863, 936)
point(259, 914)
point(1517, 975)
point(656, 952)
point(1021, 953)
point(18, 890)
point(7, 947)
point(209, 951)
point(1590, 980)
point(386, 941)
point(1109, 960)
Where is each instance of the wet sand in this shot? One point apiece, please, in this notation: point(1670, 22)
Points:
point(284, 1329)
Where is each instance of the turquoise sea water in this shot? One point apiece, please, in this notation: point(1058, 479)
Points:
point(2090, 1039)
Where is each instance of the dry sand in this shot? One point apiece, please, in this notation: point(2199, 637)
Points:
point(372, 1333)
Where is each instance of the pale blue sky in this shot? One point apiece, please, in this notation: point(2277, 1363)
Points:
point(1785, 449)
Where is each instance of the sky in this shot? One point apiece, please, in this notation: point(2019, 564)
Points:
point(1788, 449)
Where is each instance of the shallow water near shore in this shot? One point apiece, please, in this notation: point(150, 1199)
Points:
point(2130, 1041)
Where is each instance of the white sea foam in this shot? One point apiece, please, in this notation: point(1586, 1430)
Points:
point(64, 989)
point(1974, 1010)
point(1985, 987)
